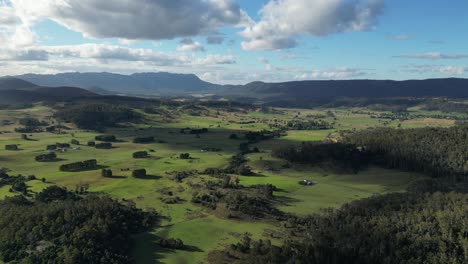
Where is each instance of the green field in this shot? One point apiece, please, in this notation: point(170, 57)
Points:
point(200, 228)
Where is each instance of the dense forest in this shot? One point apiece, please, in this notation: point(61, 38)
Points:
point(96, 116)
point(393, 228)
point(60, 227)
point(439, 152)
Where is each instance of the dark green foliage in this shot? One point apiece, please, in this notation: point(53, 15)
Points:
point(194, 131)
point(91, 143)
point(28, 129)
point(51, 147)
point(75, 142)
point(11, 147)
point(32, 122)
point(171, 243)
point(63, 145)
point(46, 157)
point(96, 115)
point(261, 135)
point(441, 152)
point(394, 228)
point(54, 193)
point(184, 156)
point(106, 173)
point(106, 138)
point(140, 154)
point(140, 173)
point(446, 106)
point(344, 156)
point(68, 230)
point(77, 166)
point(308, 125)
point(143, 139)
point(105, 145)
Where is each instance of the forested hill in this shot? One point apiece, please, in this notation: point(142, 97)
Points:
point(452, 87)
point(171, 84)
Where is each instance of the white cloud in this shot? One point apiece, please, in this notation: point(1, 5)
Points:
point(7, 16)
point(333, 74)
point(433, 56)
point(188, 44)
point(282, 20)
point(435, 70)
point(135, 19)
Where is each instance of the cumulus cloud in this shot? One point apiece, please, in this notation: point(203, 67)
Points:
point(433, 56)
point(7, 16)
point(188, 44)
point(104, 53)
point(282, 20)
point(23, 55)
point(135, 19)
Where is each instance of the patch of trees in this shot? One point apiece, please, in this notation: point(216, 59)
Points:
point(237, 166)
point(97, 115)
point(46, 157)
point(106, 138)
point(440, 152)
point(308, 125)
point(446, 106)
point(18, 183)
point(72, 230)
point(143, 140)
point(140, 173)
point(393, 228)
point(75, 142)
point(194, 131)
point(171, 243)
point(77, 166)
point(335, 155)
point(184, 156)
point(253, 136)
point(106, 173)
point(32, 122)
point(29, 129)
point(11, 147)
point(140, 154)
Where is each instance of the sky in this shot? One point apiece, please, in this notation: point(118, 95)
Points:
point(236, 42)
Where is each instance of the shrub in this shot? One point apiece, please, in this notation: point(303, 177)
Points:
point(46, 157)
point(87, 164)
point(106, 138)
point(139, 173)
point(140, 154)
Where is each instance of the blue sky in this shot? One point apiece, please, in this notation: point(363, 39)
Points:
point(228, 41)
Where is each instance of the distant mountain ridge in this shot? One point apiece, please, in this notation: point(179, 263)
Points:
point(172, 84)
point(13, 90)
point(151, 83)
point(301, 90)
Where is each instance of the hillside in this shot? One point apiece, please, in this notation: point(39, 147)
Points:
point(304, 90)
point(158, 83)
point(170, 84)
point(14, 90)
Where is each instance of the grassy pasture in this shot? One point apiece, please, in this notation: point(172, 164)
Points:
point(200, 228)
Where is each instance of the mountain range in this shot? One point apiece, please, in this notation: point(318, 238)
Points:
point(170, 84)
